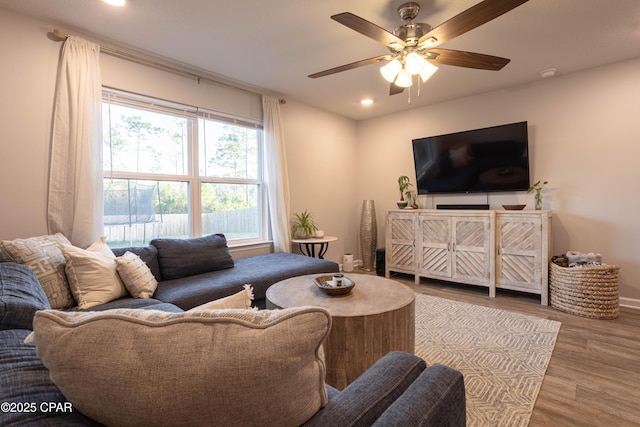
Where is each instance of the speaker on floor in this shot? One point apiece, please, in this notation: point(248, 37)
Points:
point(380, 254)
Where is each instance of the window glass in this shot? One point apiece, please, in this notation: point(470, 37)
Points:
point(142, 141)
point(234, 208)
point(151, 191)
point(136, 211)
point(228, 150)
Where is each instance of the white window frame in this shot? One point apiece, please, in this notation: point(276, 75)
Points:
point(192, 177)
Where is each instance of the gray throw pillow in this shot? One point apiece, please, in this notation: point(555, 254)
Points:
point(187, 257)
point(201, 367)
point(43, 256)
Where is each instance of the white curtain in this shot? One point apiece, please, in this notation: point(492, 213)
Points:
point(75, 205)
point(277, 177)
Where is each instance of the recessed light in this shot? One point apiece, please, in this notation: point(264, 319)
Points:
point(366, 102)
point(545, 74)
point(118, 3)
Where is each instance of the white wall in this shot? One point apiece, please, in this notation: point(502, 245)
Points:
point(27, 81)
point(321, 157)
point(584, 139)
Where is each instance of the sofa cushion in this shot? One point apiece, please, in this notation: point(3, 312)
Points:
point(241, 300)
point(137, 303)
point(148, 254)
point(260, 271)
point(136, 275)
point(20, 296)
point(366, 398)
point(187, 257)
point(92, 274)
point(436, 397)
point(228, 367)
point(42, 255)
point(24, 380)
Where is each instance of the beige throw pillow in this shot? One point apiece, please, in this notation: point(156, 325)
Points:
point(239, 300)
point(136, 275)
point(43, 256)
point(201, 367)
point(92, 274)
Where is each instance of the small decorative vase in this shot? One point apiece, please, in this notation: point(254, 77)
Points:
point(402, 205)
point(347, 263)
point(538, 198)
point(368, 235)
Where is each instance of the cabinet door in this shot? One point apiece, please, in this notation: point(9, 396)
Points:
point(400, 247)
point(519, 263)
point(435, 245)
point(471, 254)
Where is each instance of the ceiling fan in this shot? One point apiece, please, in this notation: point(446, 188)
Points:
point(413, 45)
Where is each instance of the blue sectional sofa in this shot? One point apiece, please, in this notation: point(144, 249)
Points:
point(398, 390)
point(178, 266)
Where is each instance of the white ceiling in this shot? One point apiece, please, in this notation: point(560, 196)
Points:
point(275, 44)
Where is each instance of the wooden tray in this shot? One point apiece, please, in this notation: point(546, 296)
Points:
point(324, 283)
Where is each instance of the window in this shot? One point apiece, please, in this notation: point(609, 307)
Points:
point(176, 171)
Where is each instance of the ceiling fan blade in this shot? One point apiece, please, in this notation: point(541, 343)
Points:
point(460, 58)
point(394, 89)
point(349, 66)
point(471, 18)
point(368, 29)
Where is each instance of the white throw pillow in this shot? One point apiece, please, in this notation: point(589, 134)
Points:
point(200, 367)
point(239, 300)
point(136, 275)
point(43, 256)
point(92, 274)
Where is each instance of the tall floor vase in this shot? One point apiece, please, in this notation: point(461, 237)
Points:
point(368, 235)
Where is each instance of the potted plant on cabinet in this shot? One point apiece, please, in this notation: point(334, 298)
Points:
point(537, 187)
point(403, 185)
point(303, 225)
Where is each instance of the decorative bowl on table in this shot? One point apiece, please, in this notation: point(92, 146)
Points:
point(514, 207)
point(326, 284)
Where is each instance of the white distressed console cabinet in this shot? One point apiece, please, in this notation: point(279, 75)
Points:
point(490, 248)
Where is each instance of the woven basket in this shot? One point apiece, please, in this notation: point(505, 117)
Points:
point(585, 291)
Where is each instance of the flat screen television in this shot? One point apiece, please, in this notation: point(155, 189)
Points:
point(481, 160)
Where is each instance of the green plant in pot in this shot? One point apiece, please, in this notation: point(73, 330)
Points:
point(303, 225)
point(403, 186)
point(537, 187)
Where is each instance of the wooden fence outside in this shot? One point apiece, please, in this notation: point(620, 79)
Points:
point(234, 224)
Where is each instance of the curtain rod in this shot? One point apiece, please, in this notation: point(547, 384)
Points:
point(63, 36)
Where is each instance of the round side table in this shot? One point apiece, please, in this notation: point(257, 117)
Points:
point(308, 246)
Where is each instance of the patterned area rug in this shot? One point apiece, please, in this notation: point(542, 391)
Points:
point(502, 355)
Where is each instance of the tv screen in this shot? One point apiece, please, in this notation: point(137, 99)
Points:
point(481, 160)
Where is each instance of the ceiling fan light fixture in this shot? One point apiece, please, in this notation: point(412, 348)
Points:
point(427, 71)
point(414, 63)
point(391, 70)
point(428, 43)
point(403, 79)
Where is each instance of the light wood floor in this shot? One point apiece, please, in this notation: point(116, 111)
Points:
point(593, 378)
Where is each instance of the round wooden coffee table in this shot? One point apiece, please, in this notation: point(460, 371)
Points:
point(377, 317)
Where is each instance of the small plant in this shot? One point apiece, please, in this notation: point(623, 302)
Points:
point(303, 225)
point(537, 187)
point(403, 185)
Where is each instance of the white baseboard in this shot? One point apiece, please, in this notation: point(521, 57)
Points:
point(630, 303)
